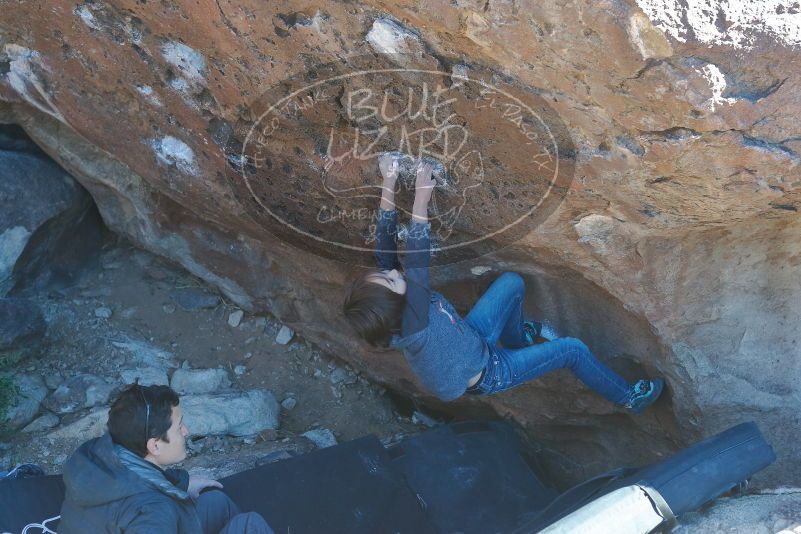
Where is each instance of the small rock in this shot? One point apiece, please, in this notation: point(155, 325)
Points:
point(53, 380)
point(198, 381)
point(103, 312)
point(127, 313)
point(42, 423)
point(274, 456)
point(285, 335)
point(480, 269)
point(194, 299)
point(321, 437)
point(338, 376)
point(419, 418)
point(259, 323)
point(288, 403)
point(185, 365)
point(351, 379)
point(318, 373)
point(168, 308)
point(269, 434)
point(250, 340)
point(239, 370)
point(196, 445)
point(248, 355)
point(59, 459)
point(235, 318)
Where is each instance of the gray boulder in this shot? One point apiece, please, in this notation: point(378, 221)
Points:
point(79, 392)
point(31, 392)
point(22, 326)
point(146, 376)
point(42, 423)
point(91, 425)
point(140, 353)
point(234, 414)
point(49, 226)
point(199, 381)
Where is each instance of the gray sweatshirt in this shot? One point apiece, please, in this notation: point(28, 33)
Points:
point(442, 350)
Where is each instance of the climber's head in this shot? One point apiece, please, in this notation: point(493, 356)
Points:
point(374, 305)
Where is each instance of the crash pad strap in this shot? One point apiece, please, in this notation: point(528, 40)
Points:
point(660, 504)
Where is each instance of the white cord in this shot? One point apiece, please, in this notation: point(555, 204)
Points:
point(42, 525)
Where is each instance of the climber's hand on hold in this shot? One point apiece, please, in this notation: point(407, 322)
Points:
point(388, 165)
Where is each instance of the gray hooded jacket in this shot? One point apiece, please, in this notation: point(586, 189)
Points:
point(111, 490)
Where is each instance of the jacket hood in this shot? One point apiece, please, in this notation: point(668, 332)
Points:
point(94, 475)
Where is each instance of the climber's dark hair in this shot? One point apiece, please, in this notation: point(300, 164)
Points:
point(129, 422)
point(373, 310)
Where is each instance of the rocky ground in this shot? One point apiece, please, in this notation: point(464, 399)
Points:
point(132, 316)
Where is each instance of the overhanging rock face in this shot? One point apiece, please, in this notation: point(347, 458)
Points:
point(638, 165)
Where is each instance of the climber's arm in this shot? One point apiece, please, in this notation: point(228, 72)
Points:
point(418, 252)
point(386, 247)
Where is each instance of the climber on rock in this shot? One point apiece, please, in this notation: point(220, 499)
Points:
point(450, 355)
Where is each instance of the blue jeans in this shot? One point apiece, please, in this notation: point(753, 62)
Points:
point(498, 315)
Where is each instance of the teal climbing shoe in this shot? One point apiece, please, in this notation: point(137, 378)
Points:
point(643, 394)
point(531, 331)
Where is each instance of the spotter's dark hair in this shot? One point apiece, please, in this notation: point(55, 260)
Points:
point(129, 423)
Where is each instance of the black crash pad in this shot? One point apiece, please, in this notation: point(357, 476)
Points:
point(471, 477)
point(351, 488)
point(30, 500)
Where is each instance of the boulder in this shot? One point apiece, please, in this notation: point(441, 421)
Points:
point(92, 425)
point(196, 381)
point(31, 391)
point(44, 422)
point(142, 354)
point(146, 376)
point(234, 414)
point(79, 392)
point(22, 327)
point(637, 162)
point(49, 227)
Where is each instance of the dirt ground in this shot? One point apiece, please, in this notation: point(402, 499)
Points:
point(135, 286)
